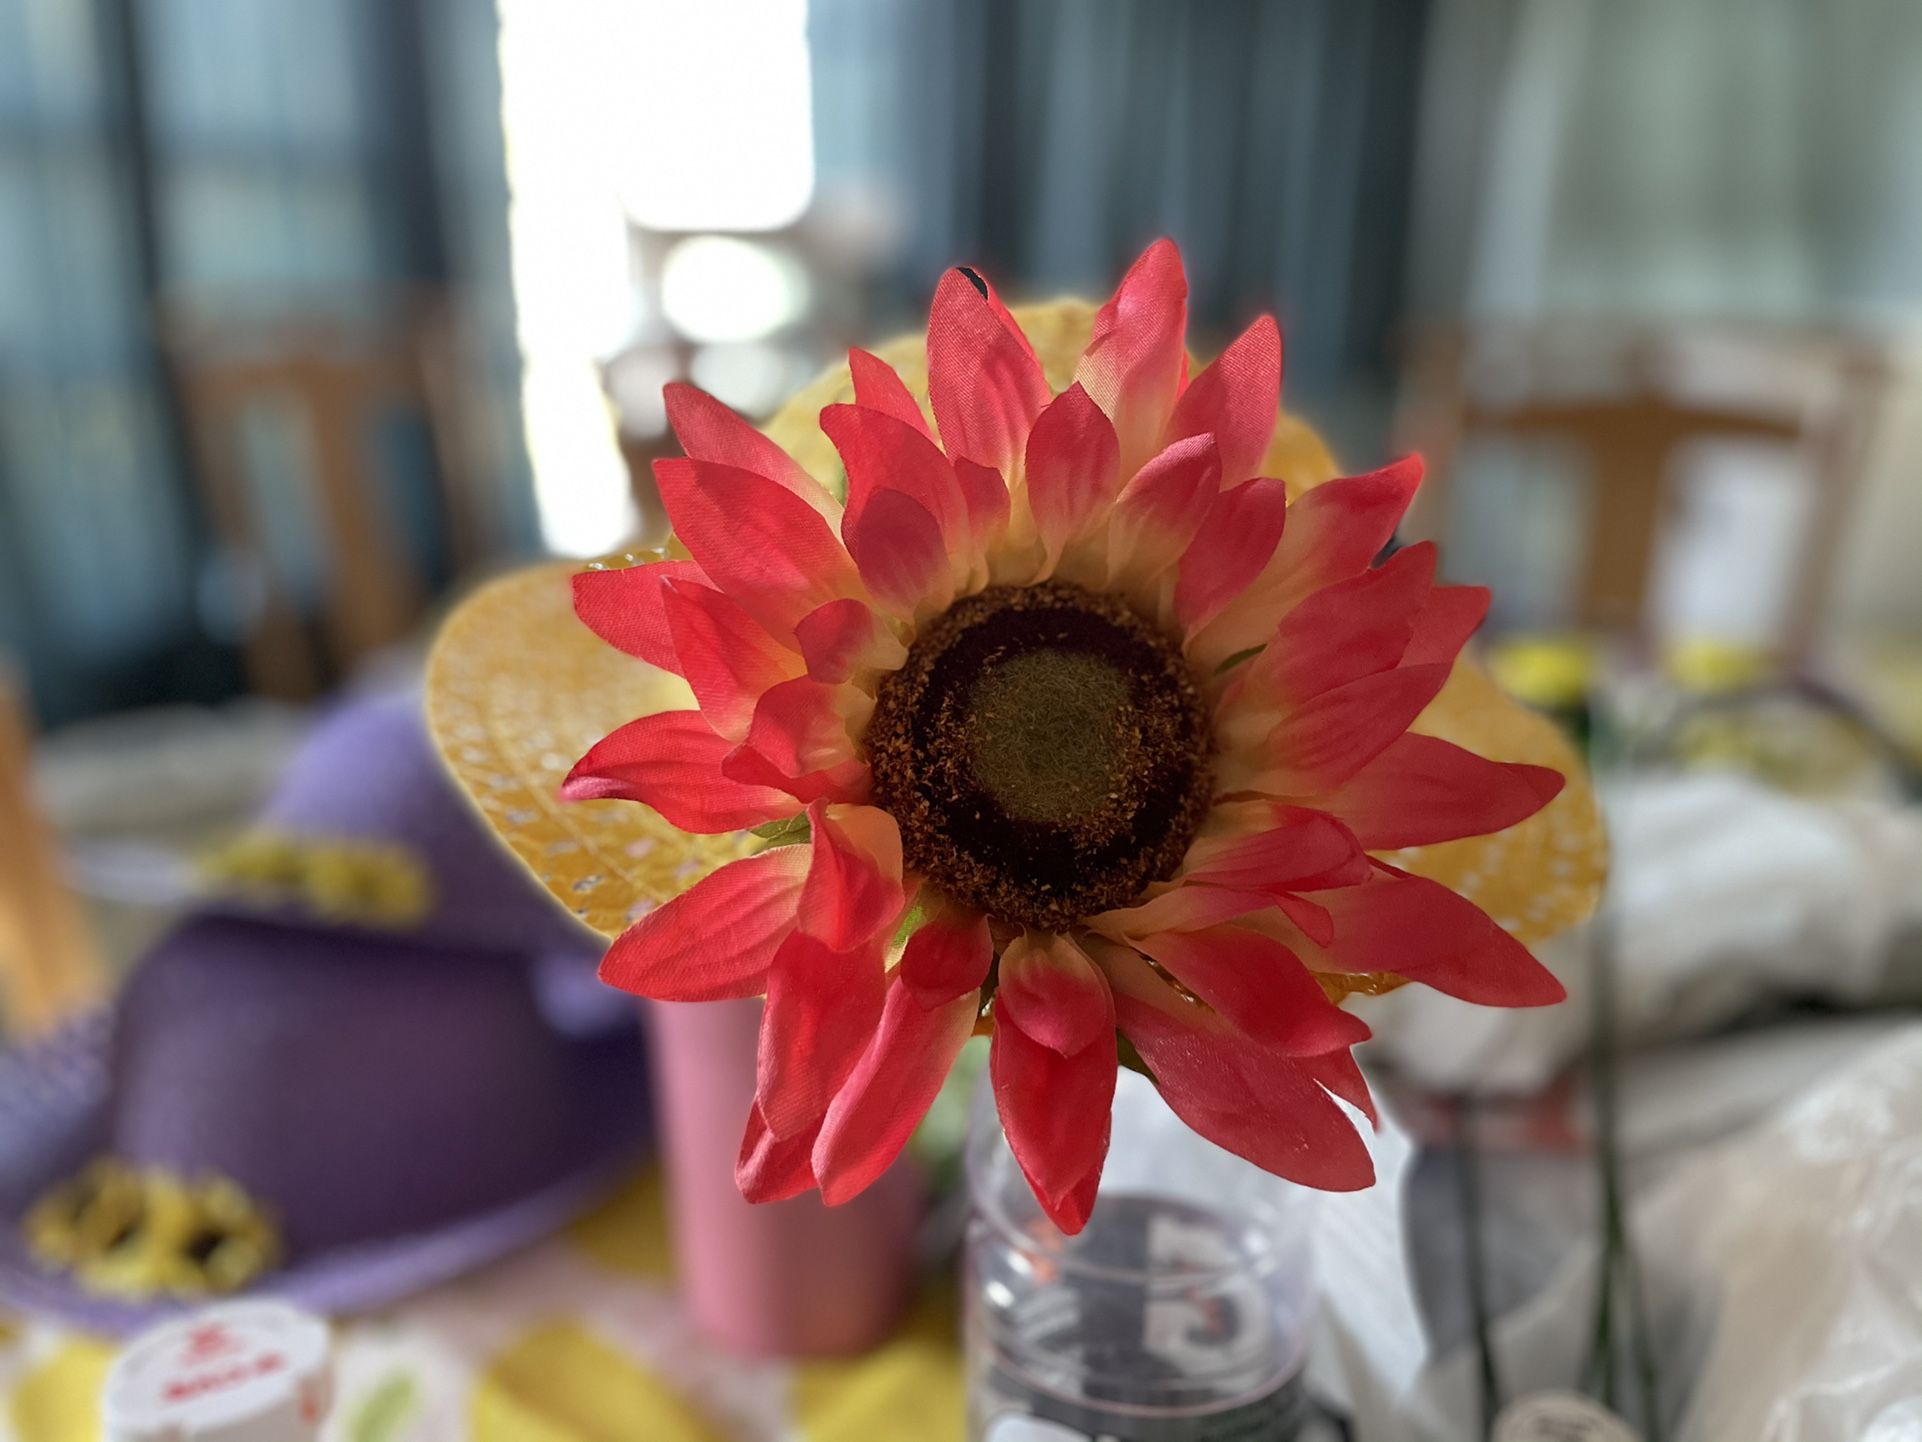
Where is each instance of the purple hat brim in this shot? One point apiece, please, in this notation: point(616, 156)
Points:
point(54, 1101)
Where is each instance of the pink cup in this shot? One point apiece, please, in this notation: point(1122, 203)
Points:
point(794, 1278)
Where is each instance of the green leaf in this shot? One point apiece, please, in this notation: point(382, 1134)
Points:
point(1236, 659)
point(384, 1411)
point(791, 832)
point(911, 920)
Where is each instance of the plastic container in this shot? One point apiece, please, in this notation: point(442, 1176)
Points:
point(1181, 1311)
point(238, 1372)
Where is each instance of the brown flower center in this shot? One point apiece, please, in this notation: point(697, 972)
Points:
point(1045, 752)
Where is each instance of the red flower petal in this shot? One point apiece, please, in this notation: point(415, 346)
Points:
point(847, 782)
point(1319, 745)
point(623, 607)
point(1237, 539)
point(709, 431)
point(853, 893)
point(879, 388)
point(890, 1089)
point(1070, 1212)
point(1053, 992)
point(1259, 985)
point(984, 382)
point(902, 557)
point(1334, 531)
point(883, 453)
point(1351, 629)
point(1419, 929)
point(1424, 790)
point(1446, 623)
point(1284, 848)
point(761, 544)
point(1181, 908)
point(843, 637)
point(1136, 358)
point(822, 1008)
point(1056, 1111)
point(1313, 919)
point(672, 762)
point(1339, 528)
point(715, 941)
point(1073, 469)
point(1236, 400)
point(799, 729)
point(1254, 1100)
point(948, 956)
point(1162, 509)
point(771, 1168)
point(986, 496)
point(1338, 1073)
point(727, 658)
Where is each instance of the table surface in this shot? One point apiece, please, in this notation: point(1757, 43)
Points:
point(580, 1339)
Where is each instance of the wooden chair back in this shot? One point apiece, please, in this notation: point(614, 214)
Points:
point(337, 383)
point(49, 966)
point(1629, 424)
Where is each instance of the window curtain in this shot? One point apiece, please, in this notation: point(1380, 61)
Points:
point(1050, 142)
point(1746, 158)
point(233, 157)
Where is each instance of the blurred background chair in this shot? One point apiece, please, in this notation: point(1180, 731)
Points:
point(335, 388)
point(1636, 451)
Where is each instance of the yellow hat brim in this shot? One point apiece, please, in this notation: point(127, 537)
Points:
point(518, 690)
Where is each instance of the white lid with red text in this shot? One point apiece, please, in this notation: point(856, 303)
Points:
point(240, 1372)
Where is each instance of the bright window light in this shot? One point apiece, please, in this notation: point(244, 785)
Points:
point(670, 114)
point(715, 288)
point(717, 129)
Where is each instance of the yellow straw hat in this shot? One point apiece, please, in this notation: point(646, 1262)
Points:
point(518, 690)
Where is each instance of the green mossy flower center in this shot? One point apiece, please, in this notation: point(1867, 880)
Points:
point(1045, 752)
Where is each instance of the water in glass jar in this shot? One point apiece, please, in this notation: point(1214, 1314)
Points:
point(1180, 1312)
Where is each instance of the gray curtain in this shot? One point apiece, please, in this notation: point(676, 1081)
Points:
point(233, 155)
point(1049, 140)
point(1721, 157)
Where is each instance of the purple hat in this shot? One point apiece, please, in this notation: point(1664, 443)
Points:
point(338, 1114)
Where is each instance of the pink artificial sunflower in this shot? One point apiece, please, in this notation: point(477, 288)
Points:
point(1066, 726)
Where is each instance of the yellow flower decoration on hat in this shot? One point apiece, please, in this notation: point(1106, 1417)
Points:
point(143, 1232)
point(344, 880)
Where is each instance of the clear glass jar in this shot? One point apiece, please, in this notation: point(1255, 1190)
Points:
point(1181, 1312)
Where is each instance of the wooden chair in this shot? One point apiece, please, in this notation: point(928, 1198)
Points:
point(1613, 397)
point(49, 967)
point(338, 382)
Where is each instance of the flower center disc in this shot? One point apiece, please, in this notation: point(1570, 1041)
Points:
point(1044, 751)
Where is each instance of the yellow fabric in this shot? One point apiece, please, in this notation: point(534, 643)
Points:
point(580, 1339)
point(628, 1235)
point(58, 1400)
point(560, 1383)
point(913, 1387)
